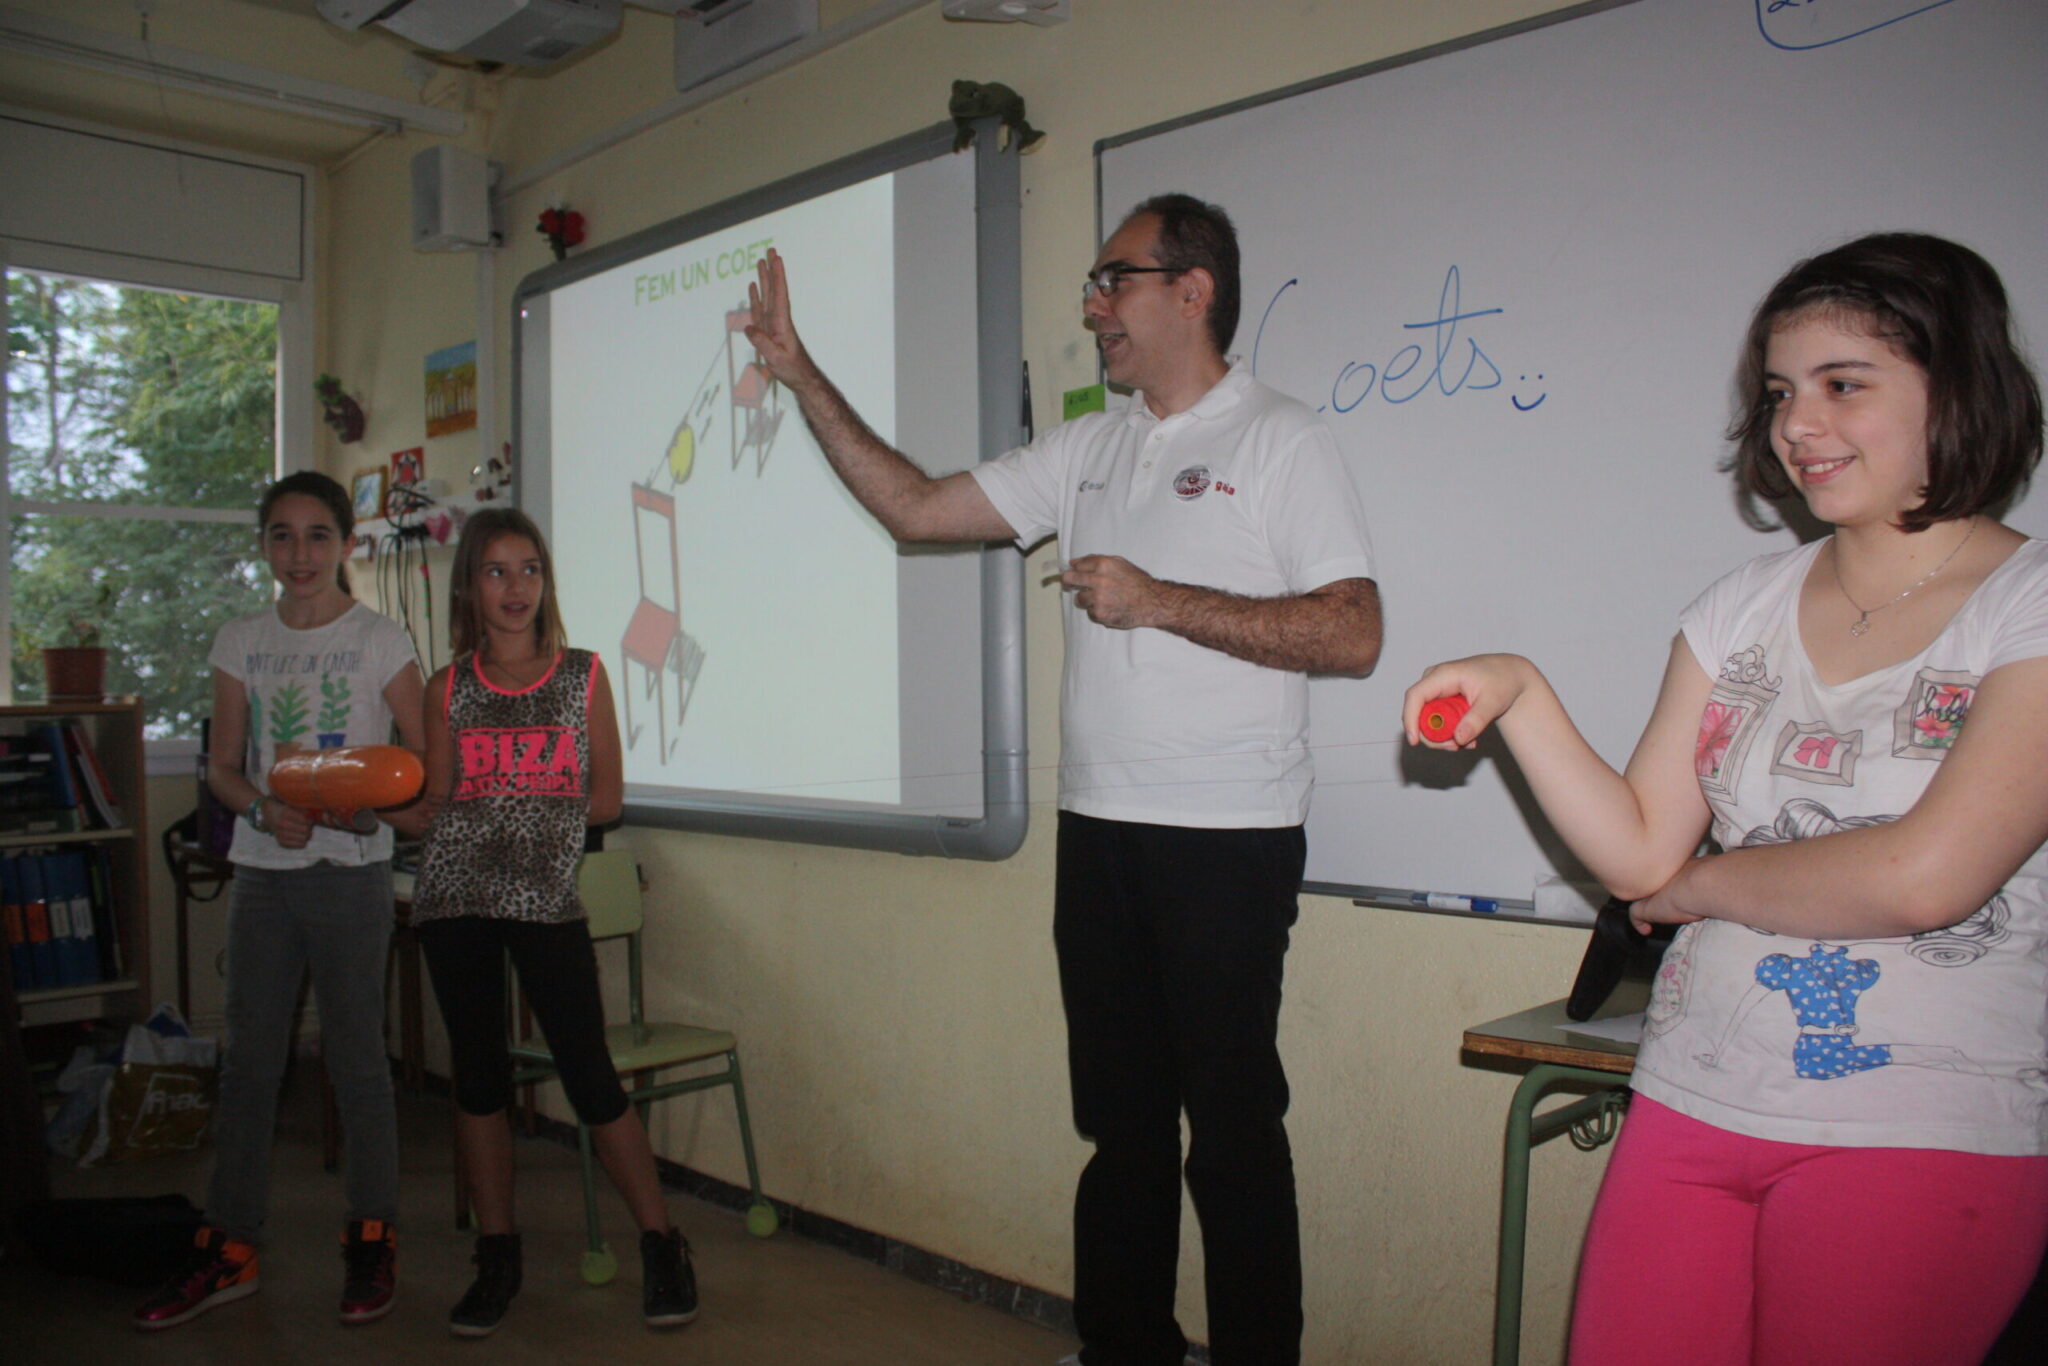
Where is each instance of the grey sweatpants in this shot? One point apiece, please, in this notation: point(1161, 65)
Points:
point(337, 921)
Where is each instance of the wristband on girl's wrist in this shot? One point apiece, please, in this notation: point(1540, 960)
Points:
point(255, 817)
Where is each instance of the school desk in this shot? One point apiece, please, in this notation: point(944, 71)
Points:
point(1596, 1067)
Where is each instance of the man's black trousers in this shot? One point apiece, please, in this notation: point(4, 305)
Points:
point(1171, 944)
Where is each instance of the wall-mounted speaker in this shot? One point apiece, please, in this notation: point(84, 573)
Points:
point(451, 201)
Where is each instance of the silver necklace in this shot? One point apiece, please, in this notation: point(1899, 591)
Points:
point(1862, 622)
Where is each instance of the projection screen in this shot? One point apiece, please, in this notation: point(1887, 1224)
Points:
point(780, 667)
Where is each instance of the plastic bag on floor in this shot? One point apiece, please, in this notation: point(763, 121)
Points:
point(83, 1084)
point(160, 1098)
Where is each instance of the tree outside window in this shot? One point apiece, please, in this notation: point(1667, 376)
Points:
point(141, 430)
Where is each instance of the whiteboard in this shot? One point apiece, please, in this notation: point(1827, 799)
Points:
point(780, 668)
point(1513, 275)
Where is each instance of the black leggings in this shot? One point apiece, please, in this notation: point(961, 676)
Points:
point(558, 975)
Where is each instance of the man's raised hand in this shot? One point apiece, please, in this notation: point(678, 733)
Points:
point(771, 332)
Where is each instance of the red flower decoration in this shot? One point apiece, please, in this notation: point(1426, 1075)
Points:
point(563, 227)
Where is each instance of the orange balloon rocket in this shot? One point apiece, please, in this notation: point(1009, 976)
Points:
point(347, 783)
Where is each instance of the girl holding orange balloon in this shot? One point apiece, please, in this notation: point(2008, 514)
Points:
point(316, 670)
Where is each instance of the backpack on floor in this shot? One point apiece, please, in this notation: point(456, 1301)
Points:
point(132, 1240)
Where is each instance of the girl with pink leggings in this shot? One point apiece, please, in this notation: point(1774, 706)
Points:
point(1838, 1149)
point(1797, 1253)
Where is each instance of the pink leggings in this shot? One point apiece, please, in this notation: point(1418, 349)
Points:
point(1707, 1247)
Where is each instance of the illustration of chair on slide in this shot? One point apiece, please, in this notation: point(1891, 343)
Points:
point(655, 638)
point(756, 399)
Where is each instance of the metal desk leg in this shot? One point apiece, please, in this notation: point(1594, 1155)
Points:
point(184, 942)
point(190, 864)
point(1589, 1116)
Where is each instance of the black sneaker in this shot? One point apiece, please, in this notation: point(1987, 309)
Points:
point(369, 1252)
point(668, 1283)
point(482, 1307)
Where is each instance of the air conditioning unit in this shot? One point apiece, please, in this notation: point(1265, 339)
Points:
point(513, 32)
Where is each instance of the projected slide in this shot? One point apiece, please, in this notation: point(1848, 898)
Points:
point(676, 460)
point(781, 668)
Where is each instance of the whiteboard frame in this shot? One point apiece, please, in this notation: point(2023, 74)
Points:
point(999, 831)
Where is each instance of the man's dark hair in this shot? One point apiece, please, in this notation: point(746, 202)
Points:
point(1198, 236)
point(1941, 306)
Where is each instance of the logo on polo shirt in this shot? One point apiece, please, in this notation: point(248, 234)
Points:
point(1191, 483)
point(1092, 486)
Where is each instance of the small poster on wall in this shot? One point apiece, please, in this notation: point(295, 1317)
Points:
point(368, 493)
point(451, 389)
point(408, 466)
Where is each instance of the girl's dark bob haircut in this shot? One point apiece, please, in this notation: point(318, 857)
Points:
point(466, 613)
point(1941, 306)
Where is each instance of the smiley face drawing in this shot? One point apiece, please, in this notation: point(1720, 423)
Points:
point(1533, 403)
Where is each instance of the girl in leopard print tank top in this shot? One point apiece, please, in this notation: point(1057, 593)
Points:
point(523, 755)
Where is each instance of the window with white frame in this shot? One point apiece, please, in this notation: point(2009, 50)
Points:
point(157, 303)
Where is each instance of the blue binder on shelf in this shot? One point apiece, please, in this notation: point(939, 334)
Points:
point(78, 953)
point(63, 776)
point(35, 919)
point(20, 956)
point(99, 894)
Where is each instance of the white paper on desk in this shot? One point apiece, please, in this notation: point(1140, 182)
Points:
point(1618, 1029)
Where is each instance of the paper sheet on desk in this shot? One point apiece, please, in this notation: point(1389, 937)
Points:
point(1617, 1029)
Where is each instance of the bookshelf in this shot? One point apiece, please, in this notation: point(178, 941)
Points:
point(114, 728)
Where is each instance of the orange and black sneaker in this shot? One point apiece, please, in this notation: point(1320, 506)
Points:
point(221, 1269)
point(369, 1249)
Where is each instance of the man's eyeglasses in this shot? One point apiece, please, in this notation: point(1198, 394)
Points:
point(1109, 279)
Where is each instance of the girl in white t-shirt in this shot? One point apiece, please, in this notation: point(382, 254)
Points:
point(1838, 1149)
point(313, 671)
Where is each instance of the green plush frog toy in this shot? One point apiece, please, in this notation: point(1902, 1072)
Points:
point(972, 100)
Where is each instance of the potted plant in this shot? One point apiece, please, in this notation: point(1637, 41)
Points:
point(78, 672)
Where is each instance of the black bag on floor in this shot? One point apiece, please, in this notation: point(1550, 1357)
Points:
point(132, 1240)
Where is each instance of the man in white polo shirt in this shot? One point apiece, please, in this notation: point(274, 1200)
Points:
point(1218, 555)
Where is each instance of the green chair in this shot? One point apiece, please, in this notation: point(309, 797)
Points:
point(609, 883)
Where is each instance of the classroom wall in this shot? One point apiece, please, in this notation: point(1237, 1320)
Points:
point(900, 1017)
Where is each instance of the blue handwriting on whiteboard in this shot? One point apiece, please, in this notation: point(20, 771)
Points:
point(1802, 25)
point(1455, 363)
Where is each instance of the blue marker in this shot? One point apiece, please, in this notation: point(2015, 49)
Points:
point(1450, 901)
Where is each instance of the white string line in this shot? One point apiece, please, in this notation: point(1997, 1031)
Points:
point(815, 788)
